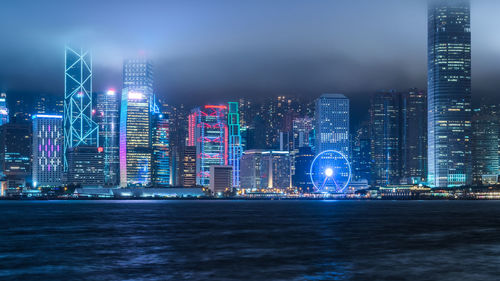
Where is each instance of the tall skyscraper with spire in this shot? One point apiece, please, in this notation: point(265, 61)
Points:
point(136, 119)
point(449, 93)
point(79, 128)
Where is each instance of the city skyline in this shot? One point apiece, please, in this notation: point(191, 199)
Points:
point(334, 58)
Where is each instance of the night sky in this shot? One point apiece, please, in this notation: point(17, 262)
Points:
point(210, 50)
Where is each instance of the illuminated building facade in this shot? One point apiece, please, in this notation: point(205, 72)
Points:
point(161, 151)
point(189, 166)
point(302, 128)
point(208, 131)
point(4, 110)
point(138, 76)
point(221, 179)
point(361, 153)
point(414, 136)
point(250, 175)
point(79, 128)
point(108, 116)
point(449, 93)
point(86, 166)
point(135, 140)
point(332, 123)
point(262, 169)
point(485, 141)
point(234, 141)
point(385, 131)
point(303, 160)
point(15, 152)
point(47, 146)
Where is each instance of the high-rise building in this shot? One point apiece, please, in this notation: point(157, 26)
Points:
point(302, 128)
point(189, 166)
point(138, 76)
point(332, 123)
point(108, 116)
point(79, 128)
point(302, 177)
point(51, 105)
point(251, 163)
point(414, 136)
point(135, 139)
point(86, 166)
point(385, 131)
point(4, 110)
point(449, 93)
point(485, 141)
point(47, 150)
point(161, 151)
point(15, 152)
point(221, 179)
point(235, 149)
point(208, 131)
point(361, 154)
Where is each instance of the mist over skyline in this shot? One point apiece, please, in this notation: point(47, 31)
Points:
point(207, 51)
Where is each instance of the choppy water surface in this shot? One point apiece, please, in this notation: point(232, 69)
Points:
point(249, 240)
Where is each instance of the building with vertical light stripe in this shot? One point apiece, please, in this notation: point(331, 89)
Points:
point(47, 169)
point(108, 115)
point(449, 93)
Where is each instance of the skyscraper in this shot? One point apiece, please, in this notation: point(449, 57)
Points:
point(15, 152)
point(161, 151)
point(4, 110)
point(135, 139)
point(138, 76)
point(385, 132)
point(361, 154)
point(302, 177)
point(332, 123)
point(302, 128)
point(189, 166)
point(485, 141)
point(79, 128)
point(208, 131)
point(449, 93)
point(234, 142)
point(414, 136)
point(47, 150)
point(108, 116)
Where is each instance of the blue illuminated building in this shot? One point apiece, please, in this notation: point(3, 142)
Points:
point(234, 141)
point(332, 123)
point(449, 93)
point(161, 151)
point(79, 128)
point(4, 110)
point(108, 116)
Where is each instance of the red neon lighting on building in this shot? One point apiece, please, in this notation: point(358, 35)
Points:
point(216, 106)
point(225, 145)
